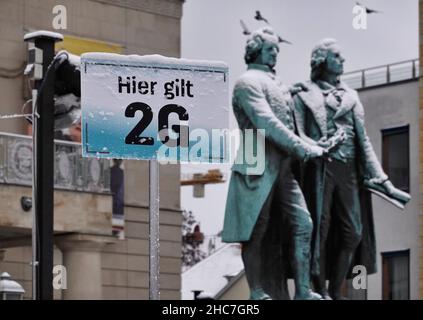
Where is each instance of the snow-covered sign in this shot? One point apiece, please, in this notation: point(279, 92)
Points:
point(147, 107)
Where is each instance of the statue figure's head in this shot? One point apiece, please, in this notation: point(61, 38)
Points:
point(326, 58)
point(262, 47)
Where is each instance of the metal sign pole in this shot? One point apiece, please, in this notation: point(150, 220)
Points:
point(34, 196)
point(154, 230)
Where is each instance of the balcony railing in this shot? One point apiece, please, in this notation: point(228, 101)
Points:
point(391, 73)
point(71, 171)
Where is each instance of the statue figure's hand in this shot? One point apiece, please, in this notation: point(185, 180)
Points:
point(335, 141)
point(298, 87)
point(386, 184)
point(315, 152)
point(324, 143)
point(395, 192)
point(389, 187)
point(338, 138)
point(377, 181)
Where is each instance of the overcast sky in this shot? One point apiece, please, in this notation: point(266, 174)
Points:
point(211, 30)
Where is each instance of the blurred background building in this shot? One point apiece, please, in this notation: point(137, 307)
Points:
point(390, 96)
point(100, 263)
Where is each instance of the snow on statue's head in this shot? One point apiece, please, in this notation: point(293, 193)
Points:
point(255, 43)
point(318, 57)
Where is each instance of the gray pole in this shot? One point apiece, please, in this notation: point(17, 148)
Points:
point(154, 230)
point(34, 197)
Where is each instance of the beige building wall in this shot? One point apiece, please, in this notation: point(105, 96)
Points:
point(16, 262)
point(237, 291)
point(141, 27)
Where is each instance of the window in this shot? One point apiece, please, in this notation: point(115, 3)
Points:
point(396, 275)
point(396, 156)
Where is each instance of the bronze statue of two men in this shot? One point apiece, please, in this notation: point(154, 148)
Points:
point(307, 215)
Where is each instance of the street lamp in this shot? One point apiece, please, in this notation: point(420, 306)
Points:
point(10, 289)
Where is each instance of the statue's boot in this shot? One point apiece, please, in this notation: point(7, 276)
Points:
point(309, 296)
point(319, 282)
point(301, 260)
point(302, 278)
point(339, 274)
point(259, 294)
point(326, 297)
point(251, 257)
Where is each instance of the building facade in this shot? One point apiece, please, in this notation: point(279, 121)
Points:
point(99, 265)
point(390, 97)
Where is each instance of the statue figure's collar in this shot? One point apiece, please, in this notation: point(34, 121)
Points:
point(314, 98)
point(261, 67)
point(327, 87)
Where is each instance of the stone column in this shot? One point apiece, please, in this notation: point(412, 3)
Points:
point(82, 260)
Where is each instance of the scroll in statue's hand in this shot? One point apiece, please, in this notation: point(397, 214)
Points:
point(388, 188)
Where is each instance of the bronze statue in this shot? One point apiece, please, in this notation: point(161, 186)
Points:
point(341, 209)
point(261, 101)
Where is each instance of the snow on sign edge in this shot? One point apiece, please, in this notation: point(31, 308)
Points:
point(43, 33)
point(154, 59)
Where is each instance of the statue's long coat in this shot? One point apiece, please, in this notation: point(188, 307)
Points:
point(257, 96)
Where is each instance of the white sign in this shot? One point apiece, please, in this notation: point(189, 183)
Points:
point(148, 107)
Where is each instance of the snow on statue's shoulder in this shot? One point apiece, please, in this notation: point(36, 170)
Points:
point(154, 59)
